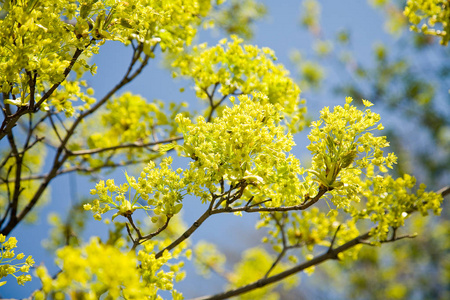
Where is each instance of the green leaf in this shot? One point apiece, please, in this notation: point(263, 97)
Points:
point(17, 102)
point(167, 147)
point(177, 208)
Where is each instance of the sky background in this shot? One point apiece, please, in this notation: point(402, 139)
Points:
point(279, 30)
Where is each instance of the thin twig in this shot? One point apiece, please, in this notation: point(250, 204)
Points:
point(124, 146)
point(17, 183)
point(284, 244)
point(334, 238)
point(153, 234)
point(129, 233)
point(189, 231)
point(37, 140)
point(251, 209)
point(130, 219)
point(54, 128)
point(29, 132)
point(80, 169)
point(259, 203)
point(249, 201)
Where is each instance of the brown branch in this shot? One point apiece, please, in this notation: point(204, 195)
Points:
point(28, 147)
point(130, 219)
point(75, 56)
point(272, 279)
point(334, 238)
point(153, 234)
point(17, 183)
point(444, 191)
point(284, 243)
point(29, 132)
point(212, 211)
point(141, 239)
point(54, 127)
point(226, 193)
point(218, 103)
point(130, 145)
point(251, 209)
point(256, 204)
point(401, 237)
point(32, 83)
point(5, 159)
point(129, 233)
point(189, 231)
point(79, 169)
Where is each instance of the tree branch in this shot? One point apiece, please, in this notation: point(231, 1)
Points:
point(79, 169)
point(212, 211)
point(444, 191)
point(153, 234)
point(17, 186)
point(272, 279)
point(190, 231)
point(250, 209)
point(130, 145)
point(284, 243)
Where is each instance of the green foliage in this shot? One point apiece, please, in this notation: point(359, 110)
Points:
point(310, 72)
point(336, 145)
point(66, 232)
point(34, 159)
point(396, 277)
point(207, 258)
point(238, 16)
point(310, 17)
point(398, 78)
point(256, 163)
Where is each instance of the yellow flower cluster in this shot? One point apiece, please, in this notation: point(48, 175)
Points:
point(349, 164)
point(7, 264)
point(388, 202)
point(342, 145)
point(160, 188)
point(430, 13)
point(97, 270)
point(231, 68)
point(248, 143)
